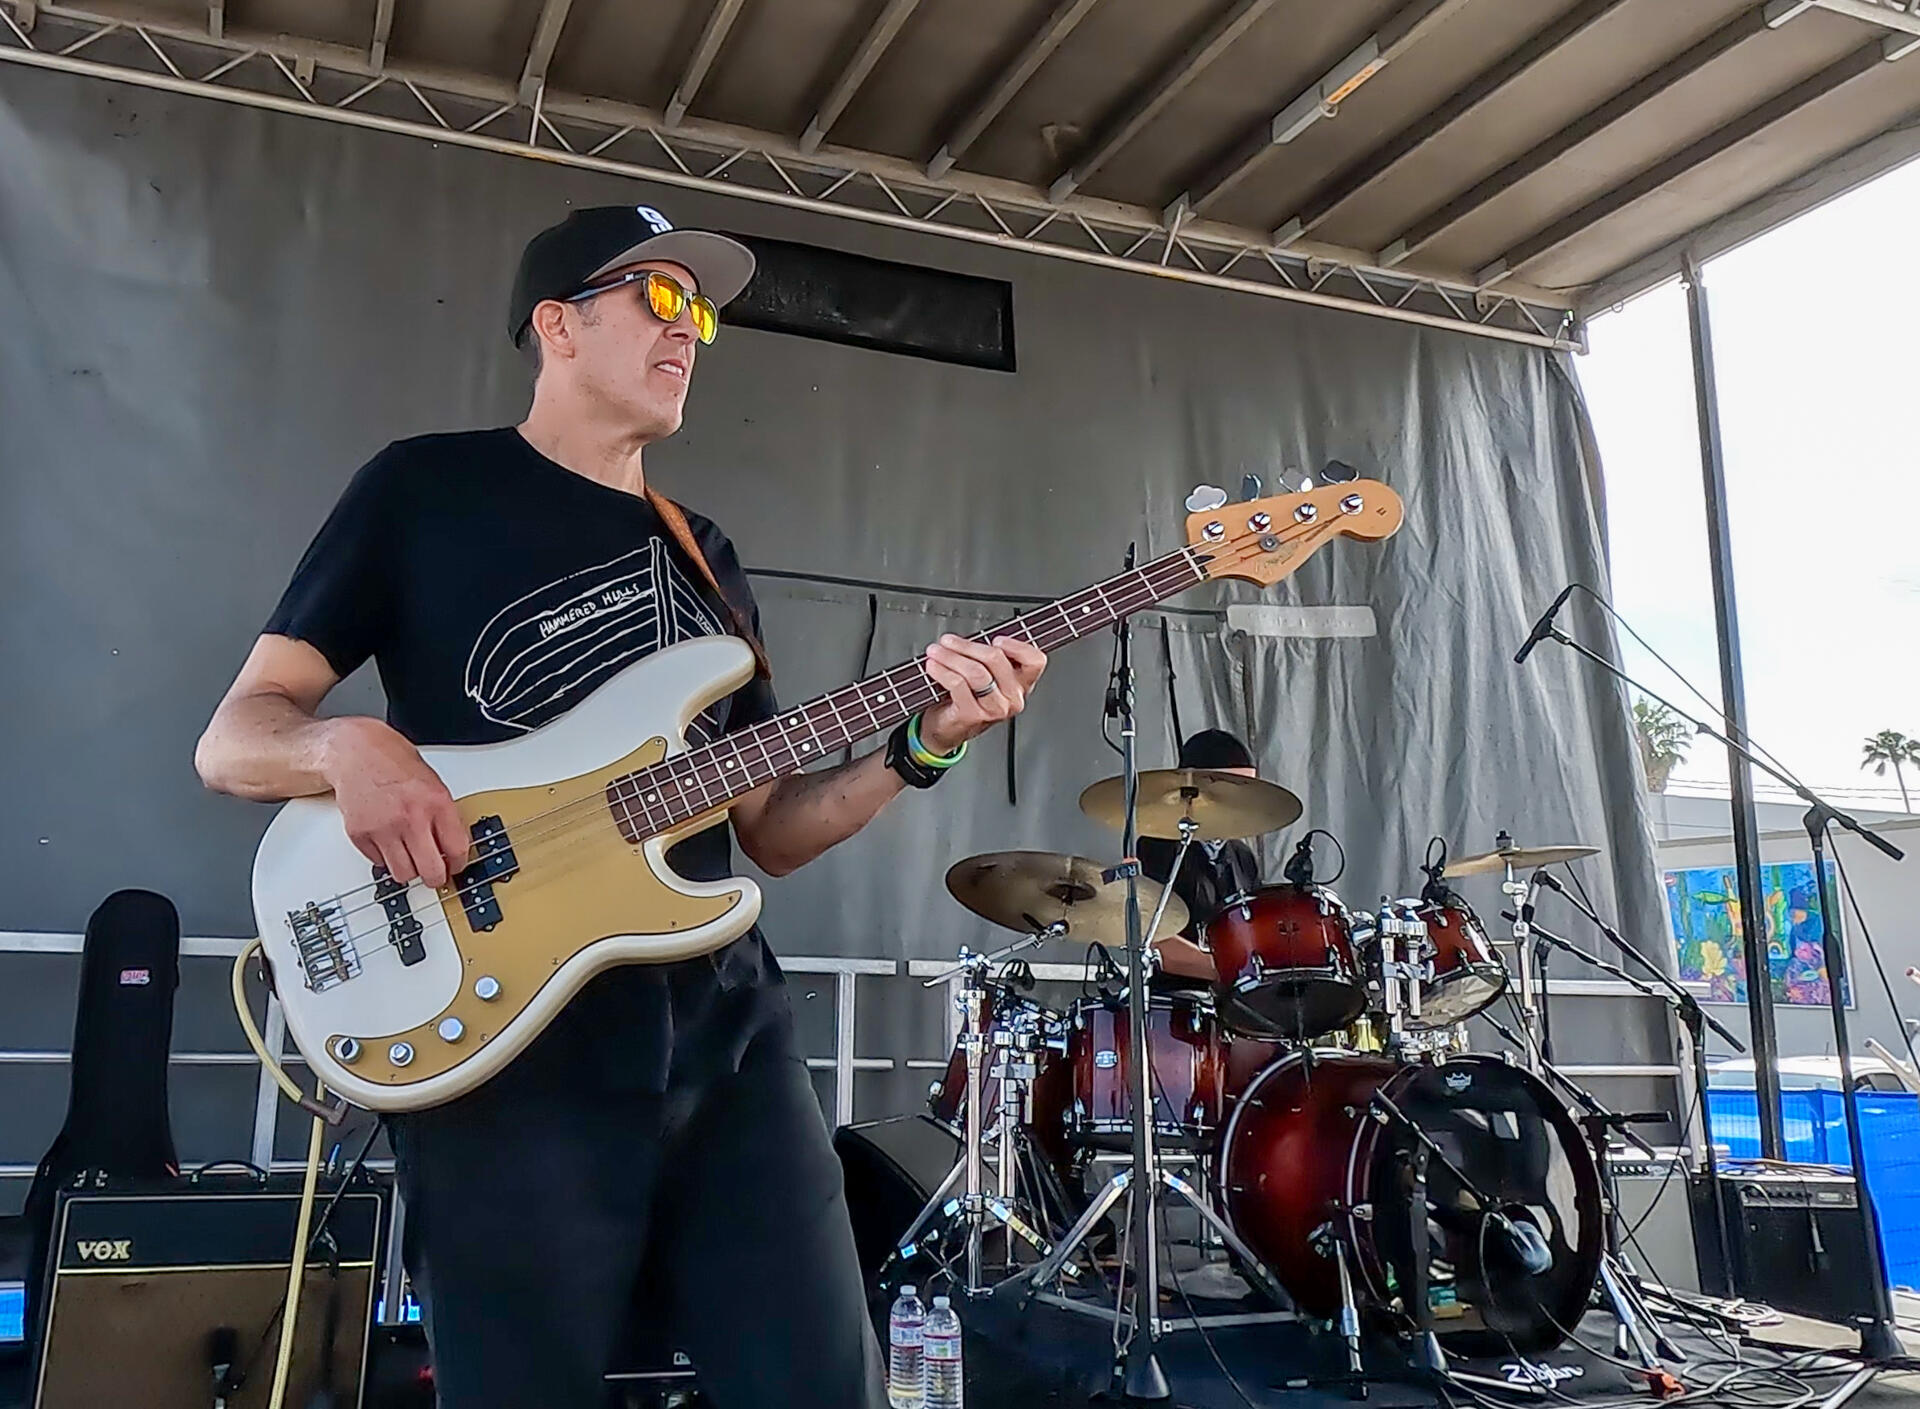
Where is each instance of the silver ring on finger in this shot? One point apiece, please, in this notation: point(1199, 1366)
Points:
point(987, 689)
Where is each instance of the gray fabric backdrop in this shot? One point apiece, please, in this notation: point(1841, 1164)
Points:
point(213, 315)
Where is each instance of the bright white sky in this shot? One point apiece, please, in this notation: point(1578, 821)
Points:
point(1813, 330)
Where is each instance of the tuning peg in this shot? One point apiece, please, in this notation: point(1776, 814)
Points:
point(1338, 472)
point(1205, 497)
point(1249, 487)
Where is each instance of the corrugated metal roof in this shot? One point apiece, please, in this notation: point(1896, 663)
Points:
point(1564, 149)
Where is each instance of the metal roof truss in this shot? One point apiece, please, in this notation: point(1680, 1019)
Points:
point(362, 88)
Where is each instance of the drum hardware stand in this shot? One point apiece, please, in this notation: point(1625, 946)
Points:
point(1878, 1339)
point(1401, 932)
point(975, 1206)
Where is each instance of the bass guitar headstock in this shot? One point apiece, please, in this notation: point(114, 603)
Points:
point(1264, 540)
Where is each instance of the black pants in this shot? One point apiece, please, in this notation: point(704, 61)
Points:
point(535, 1205)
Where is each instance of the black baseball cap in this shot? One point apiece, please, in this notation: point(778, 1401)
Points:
point(563, 259)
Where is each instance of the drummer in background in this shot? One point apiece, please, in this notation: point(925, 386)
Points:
point(1213, 872)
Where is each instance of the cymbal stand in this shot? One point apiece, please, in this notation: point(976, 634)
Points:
point(1144, 1178)
point(1521, 893)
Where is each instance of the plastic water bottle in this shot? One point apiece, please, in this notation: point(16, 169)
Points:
point(906, 1357)
point(945, 1388)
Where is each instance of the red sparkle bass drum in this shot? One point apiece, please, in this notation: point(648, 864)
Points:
point(1304, 1161)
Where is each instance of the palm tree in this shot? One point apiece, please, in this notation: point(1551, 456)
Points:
point(1891, 746)
point(1664, 740)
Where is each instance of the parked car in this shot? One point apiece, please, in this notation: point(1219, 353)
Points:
point(1807, 1074)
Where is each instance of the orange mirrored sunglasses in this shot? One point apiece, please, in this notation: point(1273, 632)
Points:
point(667, 299)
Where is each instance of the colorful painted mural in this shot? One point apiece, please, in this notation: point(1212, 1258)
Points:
point(1704, 905)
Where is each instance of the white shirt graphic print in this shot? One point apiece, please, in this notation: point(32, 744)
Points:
point(544, 653)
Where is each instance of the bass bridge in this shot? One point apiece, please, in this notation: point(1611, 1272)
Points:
point(324, 944)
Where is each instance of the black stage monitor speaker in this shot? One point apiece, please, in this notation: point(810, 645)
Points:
point(149, 1289)
point(1656, 1200)
point(892, 1168)
point(1797, 1243)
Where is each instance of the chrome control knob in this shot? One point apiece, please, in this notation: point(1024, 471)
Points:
point(486, 988)
point(451, 1029)
point(346, 1050)
point(400, 1054)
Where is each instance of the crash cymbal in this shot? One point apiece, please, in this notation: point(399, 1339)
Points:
point(1030, 890)
point(1224, 805)
point(1521, 858)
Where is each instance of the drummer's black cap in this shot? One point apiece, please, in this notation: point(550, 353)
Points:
point(563, 259)
point(1215, 748)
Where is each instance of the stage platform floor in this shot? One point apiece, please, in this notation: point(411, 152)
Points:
point(1045, 1357)
point(1048, 1358)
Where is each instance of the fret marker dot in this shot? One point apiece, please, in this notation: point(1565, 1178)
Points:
point(732, 764)
point(1085, 610)
point(653, 797)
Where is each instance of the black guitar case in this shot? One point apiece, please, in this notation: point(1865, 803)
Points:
point(117, 1123)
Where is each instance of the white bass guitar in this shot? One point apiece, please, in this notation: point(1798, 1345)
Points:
point(403, 996)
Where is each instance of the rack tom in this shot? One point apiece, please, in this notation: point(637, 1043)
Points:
point(1284, 958)
point(1467, 974)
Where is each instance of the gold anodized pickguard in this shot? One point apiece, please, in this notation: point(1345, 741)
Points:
point(579, 881)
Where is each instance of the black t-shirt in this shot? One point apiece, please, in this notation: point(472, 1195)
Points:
point(1214, 872)
point(494, 590)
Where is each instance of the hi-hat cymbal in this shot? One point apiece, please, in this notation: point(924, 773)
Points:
point(1223, 806)
point(1521, 858)
point(1030, 890)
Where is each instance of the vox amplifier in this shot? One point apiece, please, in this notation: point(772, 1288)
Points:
point(154, 1292)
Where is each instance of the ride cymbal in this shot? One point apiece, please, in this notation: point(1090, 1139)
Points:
point(1030, 890)
point(1223, 806)
point(1521, 858)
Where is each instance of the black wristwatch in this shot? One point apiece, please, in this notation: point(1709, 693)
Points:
point(912, 772)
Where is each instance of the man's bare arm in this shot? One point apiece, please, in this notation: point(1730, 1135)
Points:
point(785, 824)
point(265, 743)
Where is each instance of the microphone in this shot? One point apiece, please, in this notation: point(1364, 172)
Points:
point(1534, 882)
point(223, 1350)
point(1520, 1244)
point(1299, 868)
point(1543, 627)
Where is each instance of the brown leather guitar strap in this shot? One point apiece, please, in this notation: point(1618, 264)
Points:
point(676, 522)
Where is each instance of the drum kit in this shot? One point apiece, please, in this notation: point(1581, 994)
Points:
point(1356, 1161)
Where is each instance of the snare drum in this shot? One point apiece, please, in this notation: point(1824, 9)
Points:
point(1284, 958)
point(1015, 1025)
point(1189, 1066)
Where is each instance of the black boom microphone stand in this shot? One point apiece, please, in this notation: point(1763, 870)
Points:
point(1878, 1341)
point(1694, 1018)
